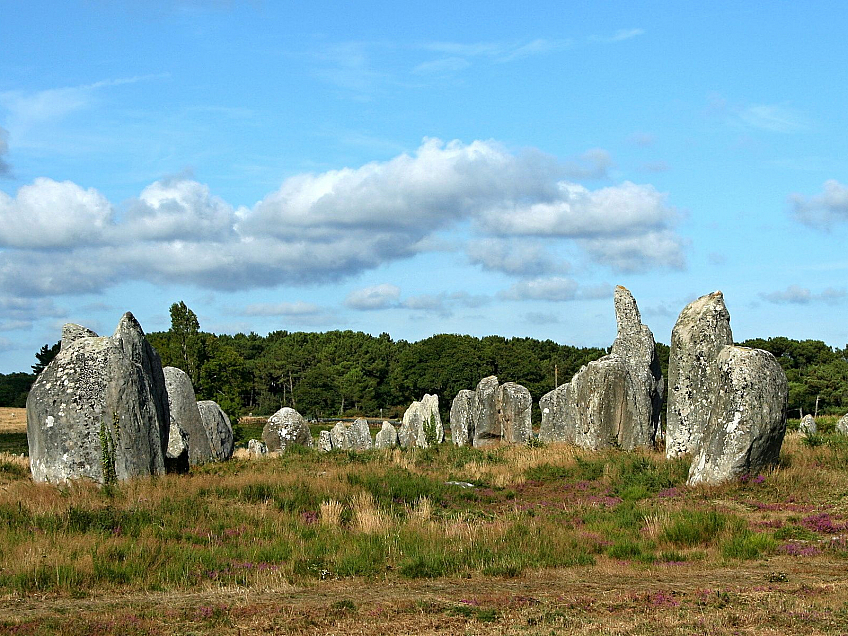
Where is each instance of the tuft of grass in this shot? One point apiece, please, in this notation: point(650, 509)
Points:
point(693, 527)
point(748, 545)
point(330, 513)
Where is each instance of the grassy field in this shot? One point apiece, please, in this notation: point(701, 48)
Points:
point(549, 539)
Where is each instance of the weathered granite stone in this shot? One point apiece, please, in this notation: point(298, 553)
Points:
point(417, 418)
point(462, 418)
point(71, 333)
point(256, 449)
point(701, 331)
point(559, 416)
point(186, 414)
point(387, 437)
point(807, 425)
point(514, 406)
point(614, 401)
point(218, 429)
point(842, 425)
point(325, 441)
point(284, 428)
point(487, 425)
point(747, 419)
point(355, 436)
point(99, 409)
point(176, 455)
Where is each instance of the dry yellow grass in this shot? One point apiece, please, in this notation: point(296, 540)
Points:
point(12, 420)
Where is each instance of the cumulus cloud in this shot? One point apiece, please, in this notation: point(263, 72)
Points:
point(796, 295)
point(49, 213)
point(382, 296)
point(822, 210)
point(511, 256)
point(61, 238)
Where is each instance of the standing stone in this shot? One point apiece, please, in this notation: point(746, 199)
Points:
point(387, 437)
point(176, 455)
point(99, 409)
point(417, 419)
point(842, 425)
point(284, 428)
point(256, 449)
point(462, 418)
point(218, 429)
point(71, 333)
point(185, 413)
point(808, 425)
point(356, 436)
point(514, 407)
point(614, 401)
point(559, 416)
point(487, 425)
point(747, 418)
point(699, 334)
point(325, 441)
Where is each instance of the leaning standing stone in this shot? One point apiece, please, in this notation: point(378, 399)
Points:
point(218, 429)
point(186, 414)
point(747, 420)
point(285, 428)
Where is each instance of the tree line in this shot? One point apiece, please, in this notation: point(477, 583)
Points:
point(335, 373)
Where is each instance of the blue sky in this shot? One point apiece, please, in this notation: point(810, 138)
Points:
point(482, 168)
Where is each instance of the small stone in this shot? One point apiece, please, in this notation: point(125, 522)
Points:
point(219, 430)
point(387, 437)
point(284, 428)
point(842, 425)
point(462, 418)
point(808, 425)
point(186, 414)
point(256, 449)
point(418, 418)
point(487, 426)
point(325, 441)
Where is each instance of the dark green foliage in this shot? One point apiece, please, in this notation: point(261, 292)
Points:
point(44, 356)
point(15, 443)
point(14, 388)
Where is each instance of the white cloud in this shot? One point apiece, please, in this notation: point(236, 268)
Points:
point(53, 214)
point(59, 238)
point(445, 303)
point(383, 296)
point(554, 289)
point(822, 210)
point(514, 256)
point(796, 295)
point(619, 36)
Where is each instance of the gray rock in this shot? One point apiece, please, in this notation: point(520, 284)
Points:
point(559, 416)
point(99, 409)
point(514, 406)
point(325, 441)
point(700, 333)
point(807, 426)
point(256, 449)
point(356, 436)
point(614, 401)
point(218, 429)
point(842, 425)
point(462, 418)
point(176, 454)
point(71, 333)
point(747, 419)
point(387, 437)
point(487, 425)
point(284, 428)
point(417, 418)
point(185, 413)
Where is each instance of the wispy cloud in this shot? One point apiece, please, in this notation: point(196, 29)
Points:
point(823, 210)
point(797, 295)
point(774, 118)
point(298, 308)
point(618, 36)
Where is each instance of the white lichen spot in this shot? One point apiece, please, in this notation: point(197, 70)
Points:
point(48, 423)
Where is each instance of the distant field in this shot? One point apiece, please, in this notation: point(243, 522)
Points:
point(12, 420)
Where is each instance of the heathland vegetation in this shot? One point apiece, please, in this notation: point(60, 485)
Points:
point(325, 375)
